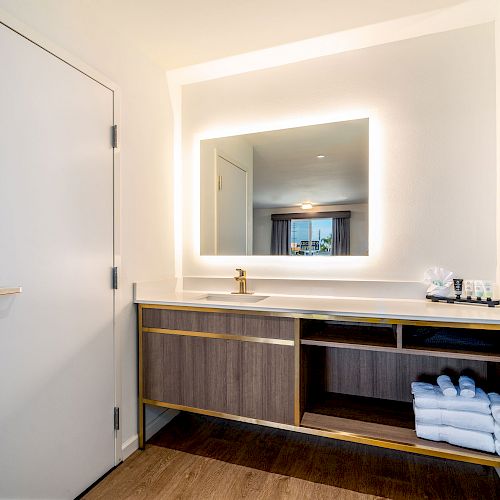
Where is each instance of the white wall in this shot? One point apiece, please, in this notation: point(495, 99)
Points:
point(239, 151)
point(146, 220)
point(431, 103)
point(262, 225)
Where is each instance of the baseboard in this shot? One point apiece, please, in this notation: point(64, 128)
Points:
point(132, 443)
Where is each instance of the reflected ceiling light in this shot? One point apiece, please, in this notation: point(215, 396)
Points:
point(306, 206)
point(320, 156)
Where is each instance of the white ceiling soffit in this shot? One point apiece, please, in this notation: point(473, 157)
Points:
point(287, 170)
point(182, 33)
point(457, 15)
point(177, 34)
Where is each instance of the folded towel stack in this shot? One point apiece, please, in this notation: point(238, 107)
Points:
point(495, 411)
point(457, 415)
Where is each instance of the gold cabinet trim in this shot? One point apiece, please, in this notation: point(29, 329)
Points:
point(141, 416)
point(296, 400)
point(224, 336)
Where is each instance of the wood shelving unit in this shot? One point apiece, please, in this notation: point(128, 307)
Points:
point(383, 361)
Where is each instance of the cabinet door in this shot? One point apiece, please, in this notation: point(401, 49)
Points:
point(249, 379)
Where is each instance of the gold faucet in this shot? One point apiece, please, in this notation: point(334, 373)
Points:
point(241, 279)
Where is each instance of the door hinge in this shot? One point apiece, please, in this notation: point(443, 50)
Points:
point(114, 278)
point(219, 182)
point(116, 418)
point(114, 136)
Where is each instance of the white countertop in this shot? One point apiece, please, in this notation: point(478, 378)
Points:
point(420, 310)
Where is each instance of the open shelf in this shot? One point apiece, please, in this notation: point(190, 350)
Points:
point(386, 423)
point(334, 333)
point(456, 341)
point(443, 342)
point(363, 409)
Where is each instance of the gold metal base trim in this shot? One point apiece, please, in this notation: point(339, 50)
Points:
point(297, 414)
point(140, 410)
point(462, 456)
point(224, 336)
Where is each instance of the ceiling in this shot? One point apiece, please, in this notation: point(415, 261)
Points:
point(288, 172)
point(184, 32)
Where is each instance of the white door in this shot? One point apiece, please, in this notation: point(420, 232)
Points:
point(231, 208)
point(56, 230)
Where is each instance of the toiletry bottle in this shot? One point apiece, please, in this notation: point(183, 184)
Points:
point(469, 288)
point(478, 289)
point(488, 290)
point(457, 285)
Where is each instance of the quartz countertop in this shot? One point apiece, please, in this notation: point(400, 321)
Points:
point(407, 309)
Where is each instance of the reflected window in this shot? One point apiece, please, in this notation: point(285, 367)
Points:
point(311, 236)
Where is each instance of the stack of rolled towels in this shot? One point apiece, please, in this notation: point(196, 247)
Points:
point(464, 415)
point(495, 411)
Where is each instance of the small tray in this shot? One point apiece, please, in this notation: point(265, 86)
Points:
point(454, 300)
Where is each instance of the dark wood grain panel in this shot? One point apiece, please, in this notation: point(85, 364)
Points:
point(241, 378)
point(236, 324)
point(153, 383)
point(386, 375)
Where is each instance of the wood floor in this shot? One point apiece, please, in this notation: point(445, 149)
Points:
point(197, 457)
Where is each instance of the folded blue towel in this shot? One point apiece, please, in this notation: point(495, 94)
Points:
point(430, 396)
point(460, 437)
point(471, 420)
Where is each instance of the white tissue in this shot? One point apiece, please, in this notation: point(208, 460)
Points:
point(446, 386)
point(440, 281)
point(467, 387)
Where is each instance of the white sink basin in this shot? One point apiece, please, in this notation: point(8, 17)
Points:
point(226, 297)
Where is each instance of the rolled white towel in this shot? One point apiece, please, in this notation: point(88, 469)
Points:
point(419, 386)
point(496, 430)
point(460, 437)
point(497, 446)
point(467, 387)
point(430, 396)
point(495, 405)
point(460, 419)
point(446, 386)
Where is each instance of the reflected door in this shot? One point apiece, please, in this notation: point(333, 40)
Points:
point(231, 227)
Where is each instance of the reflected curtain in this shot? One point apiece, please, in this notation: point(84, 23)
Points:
point(280, 237)
point(341, 236)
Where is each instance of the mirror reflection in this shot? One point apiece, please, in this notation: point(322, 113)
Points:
point(299, 192)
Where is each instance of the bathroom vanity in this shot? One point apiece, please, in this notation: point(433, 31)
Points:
point(332, 367)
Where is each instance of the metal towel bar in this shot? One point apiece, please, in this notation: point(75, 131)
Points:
point(11, 290)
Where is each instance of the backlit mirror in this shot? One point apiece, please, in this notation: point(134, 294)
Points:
point(299, 192)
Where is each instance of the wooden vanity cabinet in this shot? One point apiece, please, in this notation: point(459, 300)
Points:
point(241, 365)
point(339, 377)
